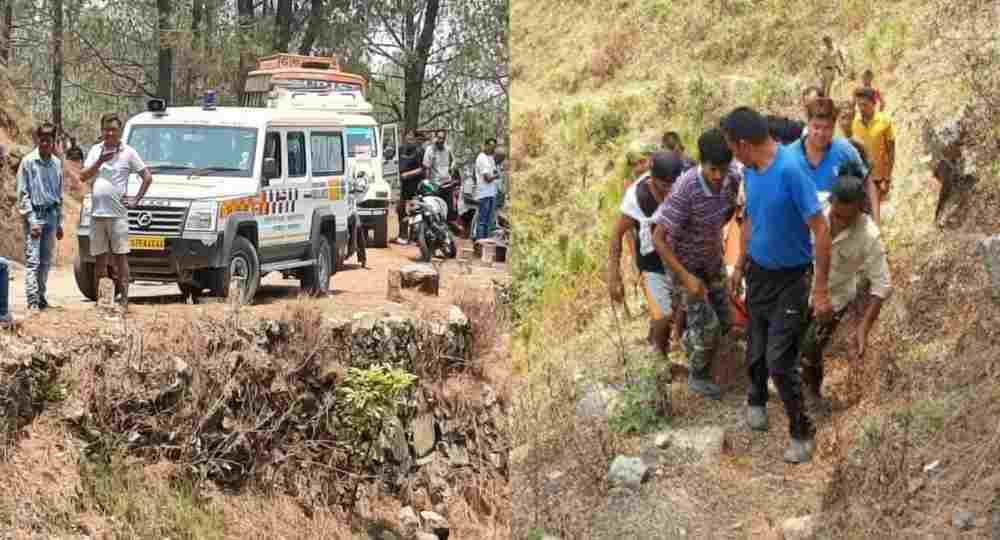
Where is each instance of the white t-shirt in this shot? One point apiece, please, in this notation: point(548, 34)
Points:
point(485, 164)
point(112, 180)
point(630, 207)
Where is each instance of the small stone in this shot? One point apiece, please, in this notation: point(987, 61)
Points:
point(436, 523)
point(707, 442)
point(800, 528)
point(408, 521)
point(182, 370)
point(423, 435)
point(933, 469)
point(598, 402)
point(662, 440)
point(962, 520)
point(627, 471)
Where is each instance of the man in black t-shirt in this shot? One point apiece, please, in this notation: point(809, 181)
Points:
point(411, 172)
point(638, 206)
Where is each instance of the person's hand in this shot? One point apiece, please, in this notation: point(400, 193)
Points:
point(616, 287)
point(822, 309)
point(59, 233)
point(860, 343)
point(36, 231)
point(694, 286)
point(107, 155)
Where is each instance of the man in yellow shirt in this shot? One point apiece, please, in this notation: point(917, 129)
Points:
point(875, 131)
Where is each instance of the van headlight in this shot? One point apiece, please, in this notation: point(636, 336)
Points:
point(85, 211)
point(201, 216)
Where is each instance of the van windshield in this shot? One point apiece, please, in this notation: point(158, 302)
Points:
point(196, 150)
point(360, 142)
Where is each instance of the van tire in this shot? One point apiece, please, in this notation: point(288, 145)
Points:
point(243, 255)
point(381, 231)
point(84, 274)
point(316, 278)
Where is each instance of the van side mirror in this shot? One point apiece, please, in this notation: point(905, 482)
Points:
point(270, 169)
point(389, 153)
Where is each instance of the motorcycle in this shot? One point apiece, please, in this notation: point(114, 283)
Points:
point(427, 215)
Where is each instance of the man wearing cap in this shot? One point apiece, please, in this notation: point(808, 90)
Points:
point(637, 209)
point(688, 239)
point(39, 201)
point(782, 209)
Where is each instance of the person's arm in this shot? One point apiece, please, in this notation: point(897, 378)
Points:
point(876, 269)
point(59, 208)
point(427, 162)
point(693, 285)
point(94, 162)
point(821, 289)
point(890, 150)
point(24, 205)
point(872, 190)
point(615, 285)
point(137, 165)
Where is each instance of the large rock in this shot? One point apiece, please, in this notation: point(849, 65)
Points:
point(989, 248)
point(422, 277)
point(951, 164)
point(628, 472)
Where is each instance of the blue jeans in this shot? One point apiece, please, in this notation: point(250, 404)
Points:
point(4, 288)
point(38, 257)
point(487, 206)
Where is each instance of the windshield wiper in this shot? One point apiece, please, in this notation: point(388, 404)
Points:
point(168, 167)
point(204, 170)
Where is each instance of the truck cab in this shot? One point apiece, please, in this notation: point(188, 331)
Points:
point(236, 192)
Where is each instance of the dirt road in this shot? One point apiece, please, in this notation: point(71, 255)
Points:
point(352, 289)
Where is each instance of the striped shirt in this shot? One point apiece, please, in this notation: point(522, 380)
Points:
point(694, 216)
point(39, 187)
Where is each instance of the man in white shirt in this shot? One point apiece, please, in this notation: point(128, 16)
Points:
point(856, 248)
point(486, 187)
point(110, 164)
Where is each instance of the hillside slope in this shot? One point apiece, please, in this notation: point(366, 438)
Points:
point(591, 77)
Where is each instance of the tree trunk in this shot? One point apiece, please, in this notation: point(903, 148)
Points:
point(416, 65)
point(197, 46)
point(283, 26)
point(314, 27)
point(245, 16)
point(57, 65)
point(166, 57)
point(6, 49)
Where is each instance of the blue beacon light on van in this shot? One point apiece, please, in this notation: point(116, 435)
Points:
point(208, 101)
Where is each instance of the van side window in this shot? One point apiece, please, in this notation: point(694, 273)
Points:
point(296, 154)
point(327, 153)
point(272, 149)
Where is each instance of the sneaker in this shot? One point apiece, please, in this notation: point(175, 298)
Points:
point(402, 241)
point(705, 388)
point(7, 322)
point(757, 418)
point(800, 451)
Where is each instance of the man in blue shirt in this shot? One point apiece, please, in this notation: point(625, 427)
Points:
point(39, 201)
point(825, 157)
point(782, 208)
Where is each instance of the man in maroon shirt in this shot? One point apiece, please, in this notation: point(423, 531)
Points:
point(688, 238)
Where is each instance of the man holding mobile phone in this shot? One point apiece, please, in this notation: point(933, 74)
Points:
point(110, 164)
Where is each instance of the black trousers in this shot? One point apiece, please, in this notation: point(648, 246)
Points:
point(777, 302)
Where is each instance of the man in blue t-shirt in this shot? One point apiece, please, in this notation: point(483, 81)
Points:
point(782, 208)
point(825, 157)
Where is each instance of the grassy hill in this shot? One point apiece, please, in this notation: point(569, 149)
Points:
point(591, 77)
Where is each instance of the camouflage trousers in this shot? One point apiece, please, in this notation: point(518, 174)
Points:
point(38, 261)
point(708, 320)
point(815, 338)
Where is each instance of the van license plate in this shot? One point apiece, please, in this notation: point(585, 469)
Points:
point(146, 242)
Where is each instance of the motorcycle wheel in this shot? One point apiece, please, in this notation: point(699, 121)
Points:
point(450, 249)
point(425, 249)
